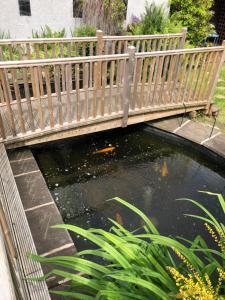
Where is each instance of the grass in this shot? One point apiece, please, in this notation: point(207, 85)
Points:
point(219, 97)
point(219, 100)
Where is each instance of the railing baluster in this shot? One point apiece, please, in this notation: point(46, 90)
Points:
point(18, 99)
point(8, 99)
point(49, 95)
point(77, 77)
point(38, 96)
point(58, 93)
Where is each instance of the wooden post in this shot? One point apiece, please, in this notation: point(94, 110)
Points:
point(213, 88)
point(128, 79)
point(100, 42)
point(183, 39)
point(100, 48)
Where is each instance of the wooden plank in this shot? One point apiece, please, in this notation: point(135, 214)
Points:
point(40, 109)
point(77, 76)
point(104, 79)
point(192, 57)
point(95, 90)
point(118, 77)
point(143, 84)
point(112, 75)
point(86, 96)
point(200, 74)
point(218, 63)
point(91, 64)
point(27, 95)
point(58, 93)
point(128, 79)
point(182, 78)
point(68, 91)
point(106, 123)
point(157, 82)
point(18, 100)
point(136, 99)
point(193, 77)
point(204, 76)
point(8, 99)
point(49, 94)
point(150, 80)
point(46, 51)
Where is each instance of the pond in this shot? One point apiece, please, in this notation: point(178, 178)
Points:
point(136, 165)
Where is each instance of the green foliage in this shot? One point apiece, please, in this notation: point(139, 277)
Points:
point(47, 32)
point(143, 264)
point(4, 35)
point(84, 30)
point(196, 16)
point(155, 20)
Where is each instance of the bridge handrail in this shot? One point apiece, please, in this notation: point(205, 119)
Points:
point(88, 39)
point(46, 95)
point(44, 48)
point(99, 58)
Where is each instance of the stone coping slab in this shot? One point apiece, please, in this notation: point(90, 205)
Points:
point(194, 131)
point(40, 208)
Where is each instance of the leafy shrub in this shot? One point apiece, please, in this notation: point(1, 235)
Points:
point(154, 20)
point(47, 32)
point(145, 265)
point(196, 16)
point(84, 30)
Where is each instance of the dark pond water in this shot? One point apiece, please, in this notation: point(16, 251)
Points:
point(143, 169)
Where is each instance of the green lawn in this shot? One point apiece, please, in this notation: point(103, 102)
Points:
point(219, 100)
point(219, 97)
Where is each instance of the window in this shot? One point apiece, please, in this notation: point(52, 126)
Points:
point(24, 6)
point(77, 8)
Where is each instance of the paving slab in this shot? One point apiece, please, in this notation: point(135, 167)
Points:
point(217, 144)
point(170, 124)
point(41, 210)
point(24, 166)
point(196, 132)
point(33, 190)
point(45, 238)
point(19, 154)
point(55, 281)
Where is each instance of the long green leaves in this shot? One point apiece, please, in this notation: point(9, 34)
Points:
point(133, 265)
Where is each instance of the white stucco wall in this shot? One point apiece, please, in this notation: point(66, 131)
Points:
point(55, 13)
point(137, 7)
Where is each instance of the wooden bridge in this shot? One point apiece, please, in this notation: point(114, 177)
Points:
point(57, 88)
point(114, 85)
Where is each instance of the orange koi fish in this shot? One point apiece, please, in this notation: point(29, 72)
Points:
point(105, 150)
point(164, 170)
point(119, 219)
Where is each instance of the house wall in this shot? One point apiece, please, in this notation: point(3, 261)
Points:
point(57, 14)
point(137, 7)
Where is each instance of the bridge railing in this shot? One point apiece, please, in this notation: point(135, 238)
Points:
point(57, 94)
point(24, 49)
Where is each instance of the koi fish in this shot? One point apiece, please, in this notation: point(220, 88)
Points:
point(164, 170)
point(105, 150)
point(119, 219)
